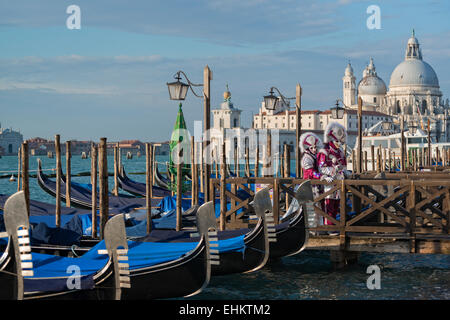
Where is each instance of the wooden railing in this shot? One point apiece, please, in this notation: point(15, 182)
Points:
point(404, 204)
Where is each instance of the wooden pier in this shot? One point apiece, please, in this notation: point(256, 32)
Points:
point(398, 213)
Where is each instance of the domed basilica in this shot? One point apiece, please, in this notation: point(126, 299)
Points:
point(413, 92)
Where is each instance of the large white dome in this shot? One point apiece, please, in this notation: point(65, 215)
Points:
point(414, 72)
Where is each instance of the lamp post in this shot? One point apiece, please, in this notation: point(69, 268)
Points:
point(412, 127)
point(270, 102)
point(337, 112)
point(178, 91)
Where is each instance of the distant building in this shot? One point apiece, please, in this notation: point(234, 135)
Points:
point(10, 141)
point(284, 119)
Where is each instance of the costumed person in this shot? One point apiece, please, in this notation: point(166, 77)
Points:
point(309, 145)
point(332, 164)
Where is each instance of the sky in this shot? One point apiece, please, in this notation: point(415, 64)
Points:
point(108, 78)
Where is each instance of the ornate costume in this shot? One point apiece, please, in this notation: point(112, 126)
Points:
point(309, 144)
point(332, 164)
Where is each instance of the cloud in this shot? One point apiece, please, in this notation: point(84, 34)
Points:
point(232, 22)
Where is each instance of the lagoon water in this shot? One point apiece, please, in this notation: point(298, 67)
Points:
point(308, 275)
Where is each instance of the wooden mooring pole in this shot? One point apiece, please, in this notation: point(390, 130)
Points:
point(19, 167)
point(68, 173)
point(94, 189)
point(223, 197)
point(25, 177)
point(179, 192)
point(103, 185)
point(58, 181)
point(149, 184)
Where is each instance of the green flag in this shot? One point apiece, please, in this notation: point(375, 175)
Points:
point(179, 147)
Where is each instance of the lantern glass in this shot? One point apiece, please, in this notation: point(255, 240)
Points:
point(386, 125)
point(337, 112)
point(270, 101)
point(177, 90)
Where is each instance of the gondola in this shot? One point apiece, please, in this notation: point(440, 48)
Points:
point(160, 180)
point(26, 275)
point(153, 270)
point(249, 249)
point(292, 235)
point(138, 188)
point(81, 197)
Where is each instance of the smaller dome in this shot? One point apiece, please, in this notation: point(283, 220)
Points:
point(372, 85)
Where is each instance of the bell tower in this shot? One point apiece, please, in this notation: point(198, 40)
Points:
point(349, 86)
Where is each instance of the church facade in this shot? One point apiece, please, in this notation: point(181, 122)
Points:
point(413, 92)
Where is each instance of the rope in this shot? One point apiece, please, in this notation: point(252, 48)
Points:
point(73, 250)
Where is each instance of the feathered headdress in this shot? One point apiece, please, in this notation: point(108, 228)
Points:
point(309, 139)
point(335, 132)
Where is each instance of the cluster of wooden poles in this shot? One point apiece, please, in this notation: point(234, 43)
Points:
point(200, 181)
point(383, 159)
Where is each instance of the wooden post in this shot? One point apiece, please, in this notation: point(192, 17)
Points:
point(154, 164)
point(25, 176)
point(193, 181)
point(149, 184)
point(119, 158)
point(116, 168)
point(365, 161)
point(379, 161)
point(287, 169)
point(223, 198)
point(372, 150)
point(437, 156)
point(207, 77)
point(94, 189)
point(390, 160)
point(429, 142)
point(276, 200)
point(354, 165)
point(247, 161)
point(268, 163)
point(343, 215)
point(103, 185)
point(202, 174)
point(58, 181)
point(19, 167)
point(68, 173)
point(412, 216)
point(179, 191)
point(257, 161)
point(402, 143)
point(359, 155)
point(298, 131)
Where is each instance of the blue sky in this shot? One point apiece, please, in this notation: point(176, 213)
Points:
point(109, 78)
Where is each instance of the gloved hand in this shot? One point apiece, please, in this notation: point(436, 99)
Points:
point(327, 179)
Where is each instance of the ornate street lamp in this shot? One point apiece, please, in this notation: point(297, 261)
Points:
point(412, 127)
point(270, 102)
point(387, 125)
point(337, 112)
point(178, 89)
